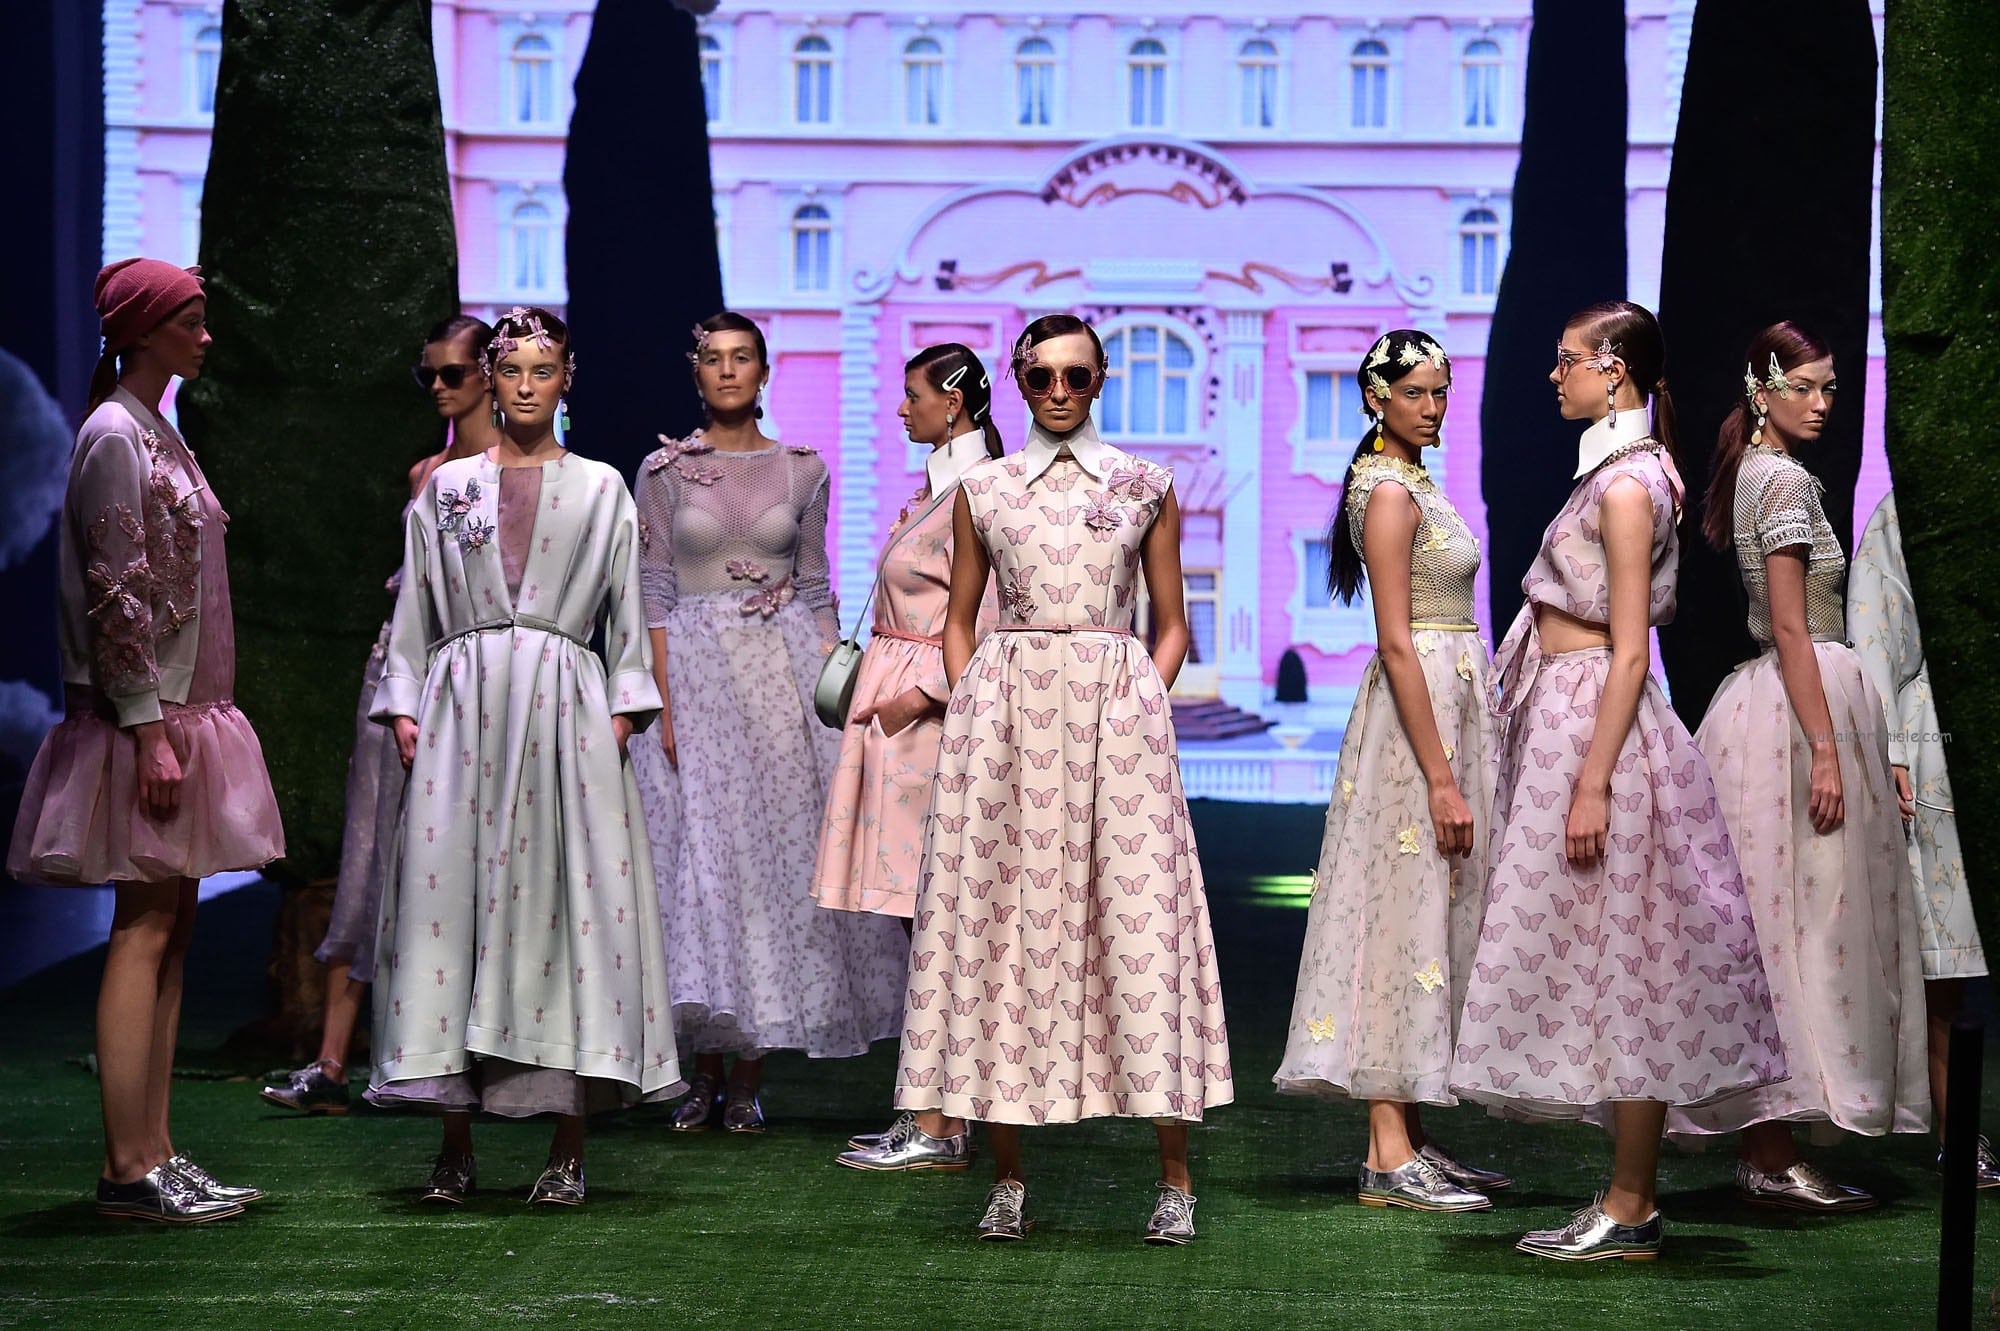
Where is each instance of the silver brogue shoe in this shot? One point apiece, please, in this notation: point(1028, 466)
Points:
point(861, 1141)
point(1593, 1236)
point(1471, 1177)
point(1005, 1219)
point(907, 1147)
point(1986, 1168)
point(1799, 1187)
point(1173, 1217)
point(1419, 1185)
point(207, 1183)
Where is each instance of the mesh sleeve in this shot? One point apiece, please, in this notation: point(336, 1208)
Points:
point(812, 574)
point(659, 588)
point(1786, 509)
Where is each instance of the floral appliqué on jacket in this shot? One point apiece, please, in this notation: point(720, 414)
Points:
point(145, 573)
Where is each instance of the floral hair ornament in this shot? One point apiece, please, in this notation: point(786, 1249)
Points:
point(700, 345)
point(1426, 350)
point(1776, 381)
point(1024, 356)
point(511, 330)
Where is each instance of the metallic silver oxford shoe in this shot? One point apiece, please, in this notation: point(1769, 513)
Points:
point(702, 1107)
point(861, 1141)
point(451, 1179)
point(207, 1183)
point(908, 1147)
point(1799, 1187)
point(1593, 1236)
point(1986, 1168)
point(1004, 1220)
point(561, 1184)
point(163, 1195)
point(1418, 1185)
point(742, 1113)
point(310, 1090)
point(1173, 1217)
point(1470, 1177)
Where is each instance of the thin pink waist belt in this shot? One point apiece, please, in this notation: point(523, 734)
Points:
point(1061, 628)
point(906, 637)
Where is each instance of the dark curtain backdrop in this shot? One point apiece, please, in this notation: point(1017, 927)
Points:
point(1768, 218)
point(328, 250)
point(1567, 249)
point(1941, 319)
point(643, 267)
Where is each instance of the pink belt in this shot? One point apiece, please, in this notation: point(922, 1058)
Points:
point(1060, 628)
point(906, 637)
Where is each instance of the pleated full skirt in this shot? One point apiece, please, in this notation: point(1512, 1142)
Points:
point(1393, 925)
point(1836, 914)
point(756, 964)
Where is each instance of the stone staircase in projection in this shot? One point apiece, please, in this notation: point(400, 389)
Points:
point(1212, 719)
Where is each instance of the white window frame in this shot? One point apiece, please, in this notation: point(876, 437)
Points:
point(1054, 66)
point(1197, 377)
point(1333, 629)
point(1463, 208)
point(1164, 63)
point(193, 26)
point(797, 59)
point(507, 200)
point(1272, 67)
point(830, 230)
point(1497, 64)
point(189, 189)
point(1391, 63)
point(511, 89)
point(1325, 460)
point(939, 63)
point(714, 46)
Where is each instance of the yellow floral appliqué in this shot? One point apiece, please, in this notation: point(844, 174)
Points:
point(1426, 644)
point(1346, 790)
point(1320, 1027)
point(1406, 841)
point(1431, 977)
point(1448, 751)
point(1465, 666)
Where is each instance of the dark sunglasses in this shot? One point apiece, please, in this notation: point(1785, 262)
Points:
point(1040, 380)
point(453, 375)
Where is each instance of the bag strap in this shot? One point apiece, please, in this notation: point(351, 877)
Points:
point(882, 561)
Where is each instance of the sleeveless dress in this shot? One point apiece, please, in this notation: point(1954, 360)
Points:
point(1393, 925)
point(143, 572)
point(1636, 978)
point(520, 968)
point(1062, 966)
point(871, 840)
point(1836, 914)
point(734, 568)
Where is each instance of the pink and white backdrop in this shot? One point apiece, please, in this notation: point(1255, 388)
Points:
point(1240, 201)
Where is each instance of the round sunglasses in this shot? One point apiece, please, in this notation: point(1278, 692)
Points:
point(452, 375)
point(1040, 381)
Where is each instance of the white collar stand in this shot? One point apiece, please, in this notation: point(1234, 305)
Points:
point(1606, 437)
point(960, 454)
point(1090, 452)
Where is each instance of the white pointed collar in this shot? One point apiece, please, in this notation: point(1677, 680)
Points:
point(1606, 437)
point(960, 454)
point(1090, 452)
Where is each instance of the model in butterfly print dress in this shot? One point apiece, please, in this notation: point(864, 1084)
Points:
point(1802, 765)
point(1395, 908)
point(1617, 970)
point(1062, 966)
point(739, 600)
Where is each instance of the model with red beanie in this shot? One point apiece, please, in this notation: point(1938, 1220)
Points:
point(153, 780)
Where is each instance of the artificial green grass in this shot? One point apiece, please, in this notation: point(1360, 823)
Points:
point(711, 1230)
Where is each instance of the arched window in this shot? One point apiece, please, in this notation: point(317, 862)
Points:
point(711, 77)
point(1368, 68)
point(1479, 252)
point(531, 249)
point(923, 82)
point(1148, 383)
point(207, 65)
point(531, 66)
point(1146, 72)
point(1035, 81)
point(1482, 84)
point(812, 249)
point(1257, 68)
point(812, 81)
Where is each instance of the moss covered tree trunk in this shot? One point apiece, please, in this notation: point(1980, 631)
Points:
point(1750, 242)
point(328, 250)
point(1941, 319)
point(1567, 249)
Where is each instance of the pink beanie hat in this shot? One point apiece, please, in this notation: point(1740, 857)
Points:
point(135, 295)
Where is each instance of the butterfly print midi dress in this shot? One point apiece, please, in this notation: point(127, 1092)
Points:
point(1636, 977)
point(1062, 966)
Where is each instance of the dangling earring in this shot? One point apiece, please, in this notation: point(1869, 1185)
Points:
point(950, 423)
point(496, 413)
point(760, 402)
point(1378, 439)
point(1757, 435)
point(1611, 396)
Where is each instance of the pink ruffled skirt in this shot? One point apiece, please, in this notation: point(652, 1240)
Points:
point(82, 824)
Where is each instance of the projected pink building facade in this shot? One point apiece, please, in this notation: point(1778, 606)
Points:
point(1240, 204)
